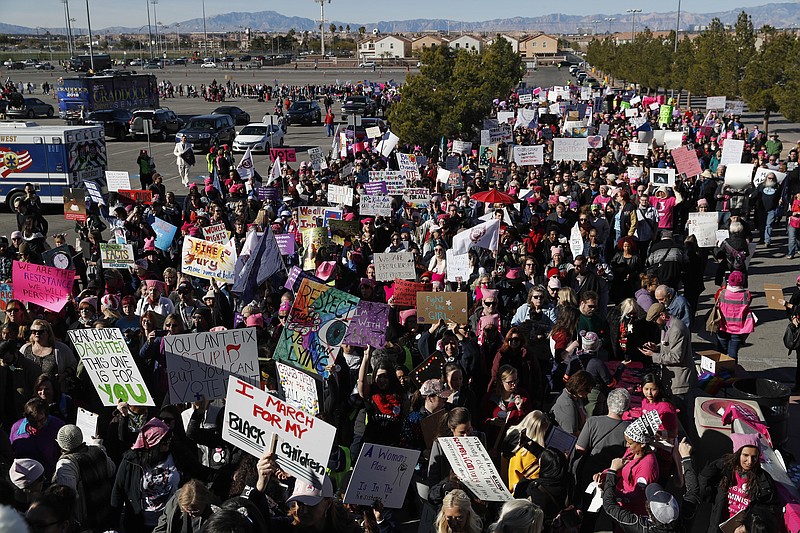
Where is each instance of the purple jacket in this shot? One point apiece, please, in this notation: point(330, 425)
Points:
point(41, 447)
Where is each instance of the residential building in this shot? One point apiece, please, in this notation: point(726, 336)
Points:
point(538, 46)
point(467, 42)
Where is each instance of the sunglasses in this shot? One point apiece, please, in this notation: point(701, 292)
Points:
point(490, 304)
point(13, 310)
point(38, 331)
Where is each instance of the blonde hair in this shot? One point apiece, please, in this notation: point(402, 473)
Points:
point(457, 498)
point(567, 296)
point(51, 339)
point(535, 425)
point(519, 516)
point(629, 304)
point(194, 492)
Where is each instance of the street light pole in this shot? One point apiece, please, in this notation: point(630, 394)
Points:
point(91, 46)
point(155, 17)
point(205, 35)
point(677, 26)
point(610, 20)
point(595, 22)
point(149, 29)
point(633, 21)
point(322, 24)
point(70, 46)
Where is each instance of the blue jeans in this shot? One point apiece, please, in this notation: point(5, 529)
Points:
point(729, 343)
point(792, 232)
point(768, 226)
point(329, 127)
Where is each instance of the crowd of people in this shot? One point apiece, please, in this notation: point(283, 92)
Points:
point(596, 274)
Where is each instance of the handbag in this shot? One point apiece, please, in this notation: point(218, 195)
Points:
point(714, 319)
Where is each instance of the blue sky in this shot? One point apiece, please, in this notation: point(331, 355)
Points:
point(50, 13)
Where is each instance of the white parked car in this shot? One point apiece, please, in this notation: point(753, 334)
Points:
point(259, 137)
point(368, 64)
point(208, 65)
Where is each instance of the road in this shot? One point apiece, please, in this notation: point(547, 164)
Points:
point(764, 352)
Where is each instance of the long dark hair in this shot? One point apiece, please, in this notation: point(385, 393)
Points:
point(730, 466)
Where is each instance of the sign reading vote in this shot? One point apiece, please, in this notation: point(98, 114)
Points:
point(287, 155)
point(252, 416)
point(198, 364)
point(49, 287)
point(447, 306)
point(111, 368)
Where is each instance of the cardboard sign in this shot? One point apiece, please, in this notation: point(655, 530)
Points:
point(732, 151)
point(376, 205)
point(761, 176)
point(116, 180)
point(136, 196)
point(6, 294)
point(774, 293)
point(529, 155)
point(417, 197)
point(391, 265)
point(715, 102)
point(405, 292)
point(686, 161)
point(94, 192)
point(525, 98)
point(381, 473)
point(739, 175)
point(665, 114)
point(375, 188)
point(116, 255)
point(208, 260)
point(373, 132)
point(458, 268)
point(198, 364)
point(314, 240)
point(447, 306)
point(287, 155)
point(487, 154)
point(635, 174)
point(296, 277)
point(59, 257)
point(110, 366)
point(298, 389)
point(87, 421)
point(734, 108)
point(216, 233)
point(704, 227)
point(42, 285)
point(368, 325)
point(407, 163)
point(253, 416)
point(317, 158)
point(662, 177)
point(75, 205)
point(452, 162)
point(342, 230)
point(316, 327)
point(637, 149)
point(462, 147)
point(340, 195)
point(571, 149)
point(430, 368)
point(165, 233)
point(316, 216)
point(595, 141)
point(286, 243)
point(473, 466)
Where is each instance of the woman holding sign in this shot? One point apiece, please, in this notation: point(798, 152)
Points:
point(383, 397)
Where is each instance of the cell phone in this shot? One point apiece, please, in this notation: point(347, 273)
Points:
point(161, 333)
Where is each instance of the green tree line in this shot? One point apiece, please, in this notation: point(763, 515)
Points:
point(717, 62)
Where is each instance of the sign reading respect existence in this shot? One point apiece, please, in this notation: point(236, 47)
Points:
point(298, 389)
point(447, 306)
point(474, 468)
point(110, 366)
point(198, 364)
point(381, 473)
point(49, 287)
point(252, 417)
point(116, 255)
point(208, 260)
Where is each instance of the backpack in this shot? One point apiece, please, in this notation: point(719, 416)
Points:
point(737, 260)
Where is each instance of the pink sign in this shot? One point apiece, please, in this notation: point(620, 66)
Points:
point(42, 285)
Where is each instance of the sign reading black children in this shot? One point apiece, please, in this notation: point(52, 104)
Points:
point(198, 364)
point(252, 416)
point(111, 367)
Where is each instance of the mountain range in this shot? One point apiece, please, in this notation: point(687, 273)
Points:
point(779, 15)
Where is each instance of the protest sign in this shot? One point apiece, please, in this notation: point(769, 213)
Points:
point(87, 421)
point(462, 147)
point(49, 287)
point(110, 366)
point(298, 389)
point(6, 294)
point(662, 177)
point(734, 108)
point(368, 325)
point(572, 149)
point(529, 155)
point(373, 132)
point(268, 193)
point(637, 149)
point(116, 255)
point(715, 103)
point(704, 227)
point(317, 158)
point(317, 324)
point(296, 277)
point(312, 216)
point(487, 154)
point(405, 292)
point(314, 239)
point(595, 141)
point(391, 265)
point(451, 162)
point(761, 175)
point(381, 473)
point(407, 163)
point(208, 260)
point(342, 230)
point(165, 233)
point(500, 134)
point(136, 196)
point(286, 155)
point(632, 112)
point(525, 118)
point(430, 368)
point(417, 197)
point(216, 233)
point(473, 467)
point(59, 257)
point(686, 161)
point(375, 188)
point(673, 139)
point(575, 241)
point(665, 114)
point(525, 98)
point(732, 151)
point(395, 180)
point(447, 306)
point(286, 243)
point(387, 143)
point(722, 234)
point(738, 175)
point(94, 192)
point(505, 117)
point(376, 205)
point(198, 364)
point(603, 130)
point(116, 180)
point(340, 194)
point(75, 205)
point(495, 172)
point(253, 416)
point(458, 268)
point(774, 295)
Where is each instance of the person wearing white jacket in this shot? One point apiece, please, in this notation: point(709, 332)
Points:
point(185, 159)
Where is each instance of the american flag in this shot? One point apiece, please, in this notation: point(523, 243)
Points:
point(13, 161)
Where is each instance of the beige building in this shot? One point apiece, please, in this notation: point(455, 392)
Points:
point(514, 42)
point(426, 41)
point(389, 46)
point(538, 46)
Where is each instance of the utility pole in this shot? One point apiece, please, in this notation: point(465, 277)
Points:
point(69, 28)
point(205, 34)
point(149, 29)
point(91, 46)
point(322, 22)
point(155, 17)
point(178, 36)
point(677, 27)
